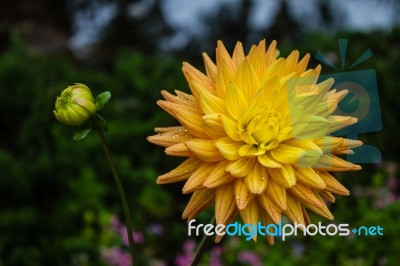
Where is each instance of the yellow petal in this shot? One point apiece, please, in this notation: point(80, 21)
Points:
point(224, 77)
point(199, 201)
point(329, 104)
point(267, 160)
point(236, 102)
point(338, 122)
point(241, 167)
point(238, 54)
point(204, 150)
point(184, 101)
point(346, 145)
point(291, 62)
point(197, 81)
point(186, 97)
point(293, 212)
point(350, 144)
point(312, 152)
point(211, 68)
point(317, 127)
point(170, 138)
point(328, 144)
point(284, 176)
point(267, 94)
point(229, 220)
point(322, 211)
point(242, 194)
point(250, 150)
point(333, 185)
point(211, 104)
point(266, 220)
point(307, 220)
point(218, 176)
point(225, 205)
point(166, 106)
point(308, 101)
point(257, 180)
point(302, 65)
point(213, 126)
point(247, 80)
point(250, 215)
point(257, 58)
point(287, 154)
point(327, 195)
point(196, 180)
point(182, 172)
point(295, 114)
point(222, 55)
point(178, 149)
point(271, 208)
point(161, 130)
point(277, 69)
point(284, 134)
point(230, 127)
point(271, 54)
point(336, 164)
point(228, 148)
point(277, 193)
point(304, 193)
point(312, 74)
point(191, 120)
point(309, 177)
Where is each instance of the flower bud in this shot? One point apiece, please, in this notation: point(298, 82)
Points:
point(75, 105)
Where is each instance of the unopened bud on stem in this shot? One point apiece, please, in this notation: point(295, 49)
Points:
point(75, 106)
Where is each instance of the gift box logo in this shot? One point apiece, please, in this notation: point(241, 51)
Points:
point(361, 102)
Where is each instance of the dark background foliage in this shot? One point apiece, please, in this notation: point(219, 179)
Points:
point(58, 196)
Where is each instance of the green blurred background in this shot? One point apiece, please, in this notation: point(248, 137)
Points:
point(59, 204)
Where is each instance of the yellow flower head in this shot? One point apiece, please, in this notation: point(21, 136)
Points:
point(75, 105)
point(256, 134)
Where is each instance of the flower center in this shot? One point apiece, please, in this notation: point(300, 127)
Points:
point(261, 127)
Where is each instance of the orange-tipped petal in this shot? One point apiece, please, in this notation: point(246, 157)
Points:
point(182, 172)
point(199, 201)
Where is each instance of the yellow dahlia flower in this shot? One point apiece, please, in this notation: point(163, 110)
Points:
point(256, 134)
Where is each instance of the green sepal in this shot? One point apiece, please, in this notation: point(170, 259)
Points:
point(82, 132)
point(99, 124)
point(102, 99)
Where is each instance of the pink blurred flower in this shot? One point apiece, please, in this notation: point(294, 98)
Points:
point(116, 257)
point(249, 257)
point(216, 256)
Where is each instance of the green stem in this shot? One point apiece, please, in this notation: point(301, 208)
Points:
point(121, 192)
point(201, 247)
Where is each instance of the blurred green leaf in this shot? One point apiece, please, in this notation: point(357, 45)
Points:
point(82, 132)
point(102, 99)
